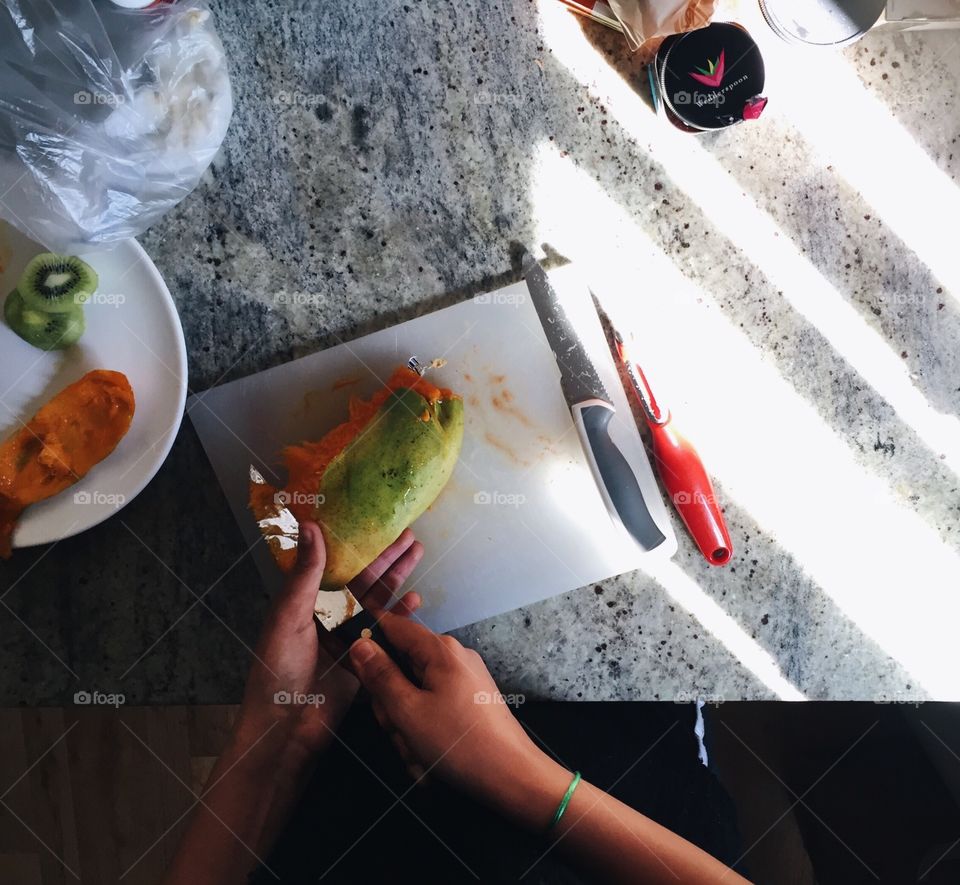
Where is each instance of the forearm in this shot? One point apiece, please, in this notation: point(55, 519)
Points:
point(482, 749)
point(604, 837)
point(247, 799)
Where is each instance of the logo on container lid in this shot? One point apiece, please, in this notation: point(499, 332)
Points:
point(713, 75)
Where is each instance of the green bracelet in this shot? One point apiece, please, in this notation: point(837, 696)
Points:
point(565, 801)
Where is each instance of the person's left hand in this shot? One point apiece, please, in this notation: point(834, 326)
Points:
point(295, 682)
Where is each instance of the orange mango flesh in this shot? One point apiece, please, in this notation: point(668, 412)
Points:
point(71, 434)
point(307, 462)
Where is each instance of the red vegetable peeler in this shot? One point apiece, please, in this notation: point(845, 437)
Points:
point(681, 471)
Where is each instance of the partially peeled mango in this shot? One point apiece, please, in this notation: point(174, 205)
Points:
point(369, 478)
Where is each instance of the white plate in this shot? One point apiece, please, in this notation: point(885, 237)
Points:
point(133, 328)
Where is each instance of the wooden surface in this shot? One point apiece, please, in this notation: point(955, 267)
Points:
point(98, 795)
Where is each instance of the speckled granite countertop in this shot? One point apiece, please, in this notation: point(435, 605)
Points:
point(383, 155)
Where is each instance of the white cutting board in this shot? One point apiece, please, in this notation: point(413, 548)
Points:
point(521, 519)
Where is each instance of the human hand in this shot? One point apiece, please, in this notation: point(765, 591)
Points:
point(456, 725)
point(296, 681)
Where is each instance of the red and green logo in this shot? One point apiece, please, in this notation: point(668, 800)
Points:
point(713, 75)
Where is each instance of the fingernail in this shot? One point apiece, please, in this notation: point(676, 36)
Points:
point(361, 651)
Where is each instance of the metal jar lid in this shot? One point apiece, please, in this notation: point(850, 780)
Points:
point(821, 22)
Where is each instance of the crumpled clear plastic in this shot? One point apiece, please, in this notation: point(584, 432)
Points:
point(108, 116)
point(644, 21)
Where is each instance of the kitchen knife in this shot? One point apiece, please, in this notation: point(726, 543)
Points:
point(338, 612)
point(592, 410)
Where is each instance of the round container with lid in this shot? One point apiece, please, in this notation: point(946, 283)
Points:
point(710, 78)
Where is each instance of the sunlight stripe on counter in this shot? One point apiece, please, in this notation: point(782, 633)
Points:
point(883, 567)
point(684, 591)
point(736, 215)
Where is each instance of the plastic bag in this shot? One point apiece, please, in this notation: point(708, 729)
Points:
point(645, 20)
point(108, 117)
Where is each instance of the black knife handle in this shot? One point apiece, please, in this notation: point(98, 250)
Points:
point(613, 473)
point(353, 629)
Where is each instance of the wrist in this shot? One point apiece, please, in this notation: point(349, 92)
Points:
point(271, 744)
point(533, 791)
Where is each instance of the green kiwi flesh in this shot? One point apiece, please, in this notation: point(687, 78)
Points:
point(57, 283)
point(47, 331)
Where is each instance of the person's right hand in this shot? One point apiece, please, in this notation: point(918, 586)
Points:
point(449, 727)
point(456, 724)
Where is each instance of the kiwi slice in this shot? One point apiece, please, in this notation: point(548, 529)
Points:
point(57, 283)
point(48, 331)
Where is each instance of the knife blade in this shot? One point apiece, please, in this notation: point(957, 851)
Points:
point(592, 410)
point(339, 612)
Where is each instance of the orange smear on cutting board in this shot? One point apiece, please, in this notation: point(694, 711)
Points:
point(506, 449)
point(503, 403)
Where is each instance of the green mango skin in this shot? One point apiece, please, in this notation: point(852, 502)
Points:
point(384, 480)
